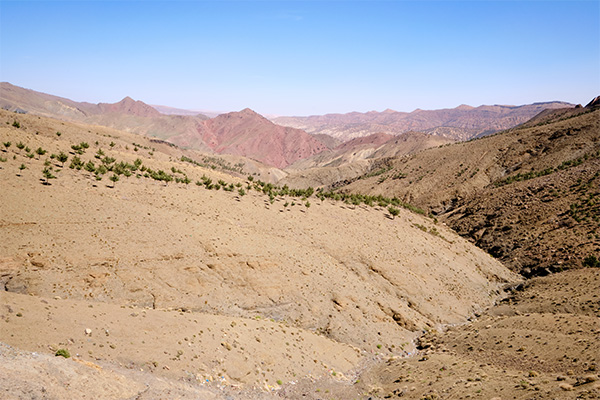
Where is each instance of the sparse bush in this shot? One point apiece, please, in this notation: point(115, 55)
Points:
point(108, 160)
point(7, 145)
point(591, 261)
point(62, 158)
point(16, 124)
point(47, 172)
point(58, 134)
point(76, 163)
point(90, 167)
point(241, 192)
point(40, 151)
point(101, 170)
point(114, 179)
point(393, 211)
point(63, 353)
point(20, 146)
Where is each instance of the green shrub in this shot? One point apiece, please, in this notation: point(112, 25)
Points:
point(114, 179)
point(591, 261)
point(47, 172)
point(62, 353)
point(90, 167)
point(62, 158)
point(76, 163)
point(40, 151)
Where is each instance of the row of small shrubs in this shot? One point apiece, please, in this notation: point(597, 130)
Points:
point(535, 174)
point(109, 164)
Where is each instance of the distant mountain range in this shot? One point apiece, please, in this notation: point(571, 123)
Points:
point(460, 123)
point(244, 133)
point(279, 142)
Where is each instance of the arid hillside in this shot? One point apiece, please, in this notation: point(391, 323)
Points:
point(135, 258)
point(460, 123)
point(356, 158)
point(528, 196)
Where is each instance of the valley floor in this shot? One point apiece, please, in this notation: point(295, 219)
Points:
point(540, 342)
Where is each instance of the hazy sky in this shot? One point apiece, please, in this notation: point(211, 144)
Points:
point(307, 57)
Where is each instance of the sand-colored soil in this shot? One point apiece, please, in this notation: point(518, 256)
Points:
point(186, 291)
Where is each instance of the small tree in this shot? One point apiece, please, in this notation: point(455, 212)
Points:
point(40, 152)
point(393, 211)
point(89, 167)
point(47, 172)
point(62, 158)
point(114, 179)
point(16, 124)
point(76, 163)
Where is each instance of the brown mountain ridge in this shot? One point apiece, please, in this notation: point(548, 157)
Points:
point(460, 123)
point(244, 133)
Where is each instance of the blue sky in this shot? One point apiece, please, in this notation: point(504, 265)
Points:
point(307, 57)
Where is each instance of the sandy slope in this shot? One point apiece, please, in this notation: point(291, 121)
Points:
point(330, 283)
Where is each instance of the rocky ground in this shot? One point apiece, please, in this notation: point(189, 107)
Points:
point(164, 289)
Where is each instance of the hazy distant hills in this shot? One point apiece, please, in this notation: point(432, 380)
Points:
point(356, 157)
point(251, 135)
point(242, 133)
point(180, 111)
point(460, 123)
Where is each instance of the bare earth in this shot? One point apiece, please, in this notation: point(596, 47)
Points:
point(176, 291)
